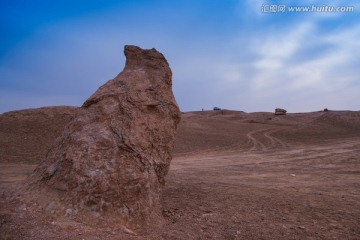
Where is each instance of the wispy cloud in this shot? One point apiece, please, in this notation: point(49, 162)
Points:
point(282, 73)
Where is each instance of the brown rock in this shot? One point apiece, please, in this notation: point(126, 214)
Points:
point(280, 111)
point(111, 159)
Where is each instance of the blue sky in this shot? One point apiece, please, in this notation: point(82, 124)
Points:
point(223, 53)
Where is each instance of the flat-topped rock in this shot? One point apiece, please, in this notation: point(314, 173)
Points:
point(280, 111)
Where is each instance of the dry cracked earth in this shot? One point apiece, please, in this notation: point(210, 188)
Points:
point(234, 175)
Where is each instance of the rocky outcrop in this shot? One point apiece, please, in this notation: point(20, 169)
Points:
point(112, 158)
point(280, 111)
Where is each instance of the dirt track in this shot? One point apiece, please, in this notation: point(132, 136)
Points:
point(245, 176)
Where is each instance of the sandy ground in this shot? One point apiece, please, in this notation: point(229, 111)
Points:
point(234, 175)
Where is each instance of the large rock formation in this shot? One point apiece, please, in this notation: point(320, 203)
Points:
point(111, 159)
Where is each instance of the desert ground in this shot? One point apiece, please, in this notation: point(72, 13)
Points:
point(234, 175)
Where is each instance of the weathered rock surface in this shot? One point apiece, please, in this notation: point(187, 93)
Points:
point(280, 111)
point(111, 159)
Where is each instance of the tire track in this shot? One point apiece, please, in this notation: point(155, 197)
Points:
point(257, 145)
point(274, 140)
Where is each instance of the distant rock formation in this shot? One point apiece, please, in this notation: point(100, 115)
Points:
point(280, 111)
point(111, 159)
point(27, 135)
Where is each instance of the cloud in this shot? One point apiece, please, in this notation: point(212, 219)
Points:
point(252, 61)
point(275, 52)
point(284, 74)
point(299, 64)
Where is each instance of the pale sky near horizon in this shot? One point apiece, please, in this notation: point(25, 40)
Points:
point(233, 54)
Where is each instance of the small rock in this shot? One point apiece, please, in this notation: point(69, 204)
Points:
point(292, 174)
point(23, 207)
point(68, 212)
point(51, 207)
point(128, 231)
